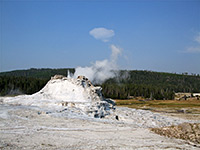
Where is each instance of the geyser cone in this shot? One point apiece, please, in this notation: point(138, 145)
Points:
point(69, 92)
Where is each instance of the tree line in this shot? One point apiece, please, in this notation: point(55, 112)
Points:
point(43, 73)
point(151, 85)
point(11, 85)
point(126, 91)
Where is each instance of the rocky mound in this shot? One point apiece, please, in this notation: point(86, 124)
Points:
point(185, 131)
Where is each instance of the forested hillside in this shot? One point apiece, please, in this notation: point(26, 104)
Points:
point(126, 84)
point(11, 85)
point(44, 73)
point(153, 85)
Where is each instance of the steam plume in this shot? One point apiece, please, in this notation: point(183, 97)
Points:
point(101, 70)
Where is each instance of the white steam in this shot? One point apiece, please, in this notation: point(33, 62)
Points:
point(105, 69)
point(101, 70)
point(69, 74)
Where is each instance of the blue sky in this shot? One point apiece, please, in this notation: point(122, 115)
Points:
point(154, 35)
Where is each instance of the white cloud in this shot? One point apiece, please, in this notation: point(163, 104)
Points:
point(197, 38)
point(193, 50)
point(102, 34)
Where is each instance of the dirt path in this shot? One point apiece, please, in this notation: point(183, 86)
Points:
point(24, 128)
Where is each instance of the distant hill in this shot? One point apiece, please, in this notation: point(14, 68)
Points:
point(126, 84)
point(43, 73)
point(149, 84)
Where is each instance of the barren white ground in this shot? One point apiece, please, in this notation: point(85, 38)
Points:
point(23, 127)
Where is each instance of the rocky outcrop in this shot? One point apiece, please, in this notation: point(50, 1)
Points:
point(57, 77)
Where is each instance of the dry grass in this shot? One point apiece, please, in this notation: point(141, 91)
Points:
point(159, 103)
point(188, 109)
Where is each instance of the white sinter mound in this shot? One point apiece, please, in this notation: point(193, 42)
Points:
point(68, 92)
